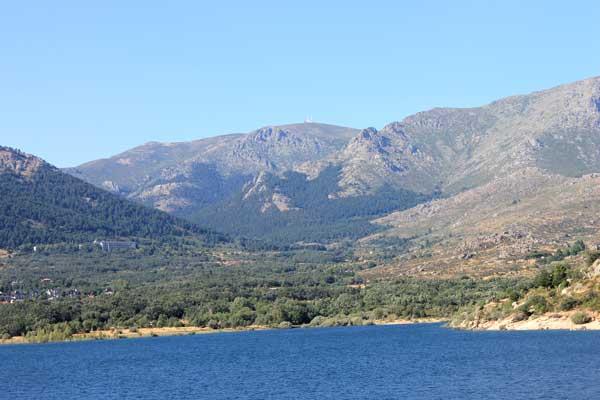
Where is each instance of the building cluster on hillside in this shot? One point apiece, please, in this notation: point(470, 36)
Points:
point(12, 297)
point(112, 245)
point(15, 296)
point(105, 245)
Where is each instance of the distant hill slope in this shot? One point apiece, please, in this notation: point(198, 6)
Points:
point(291, 209)
point(39, 204)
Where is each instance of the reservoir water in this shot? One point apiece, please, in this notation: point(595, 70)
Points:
point(422, 361)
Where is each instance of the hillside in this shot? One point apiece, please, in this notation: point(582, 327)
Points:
point(42, 205)
point(292, 209)
point(563, 295)
point(247, 185)
point(493, 228)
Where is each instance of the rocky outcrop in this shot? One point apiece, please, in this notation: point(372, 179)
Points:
point(262, 191)
point(19, 163)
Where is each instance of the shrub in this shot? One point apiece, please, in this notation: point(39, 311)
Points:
point(379, 313)
point(591, 300)
point(536, 304)
point(577, 247)
point(591, 257)
point(568, 304)
point(580, 318)
point(554, 278)
point(538, 254)
point(513, 295)
point(543, 279)
point(559, 274)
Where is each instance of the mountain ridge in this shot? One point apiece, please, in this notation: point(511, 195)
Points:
point(441, 152)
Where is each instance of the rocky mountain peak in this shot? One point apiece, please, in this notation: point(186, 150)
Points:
point(369, 140)
point(280, 148)
point(368, 134)
point(270, 142)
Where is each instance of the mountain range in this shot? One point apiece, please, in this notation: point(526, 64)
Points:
point(315, 182)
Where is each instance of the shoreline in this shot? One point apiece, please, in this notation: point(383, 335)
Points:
point(126, 333)
point(553, 321)
point(559, 321)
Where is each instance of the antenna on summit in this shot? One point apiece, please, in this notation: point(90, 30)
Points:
point(308, 120)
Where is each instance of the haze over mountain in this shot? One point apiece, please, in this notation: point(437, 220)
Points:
point(359, 174)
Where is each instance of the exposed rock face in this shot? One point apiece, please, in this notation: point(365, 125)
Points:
point(111, 186)
point(268, 195)
point(19, 163)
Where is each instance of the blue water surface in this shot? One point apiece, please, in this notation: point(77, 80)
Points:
point(422, 361)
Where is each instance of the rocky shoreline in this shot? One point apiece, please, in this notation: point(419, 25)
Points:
point(548, 321)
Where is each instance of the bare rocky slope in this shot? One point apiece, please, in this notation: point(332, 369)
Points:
point(508, 169)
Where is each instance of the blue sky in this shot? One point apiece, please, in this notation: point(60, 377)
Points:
point(83, 80)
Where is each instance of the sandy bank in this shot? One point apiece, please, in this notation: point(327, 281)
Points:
point(124, 333)
point(408, 321)
point(548, 321)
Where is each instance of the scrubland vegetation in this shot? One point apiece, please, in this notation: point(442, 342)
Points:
point(122, 290)
point(567, 284)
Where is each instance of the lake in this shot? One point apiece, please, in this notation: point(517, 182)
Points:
point(423, 361)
